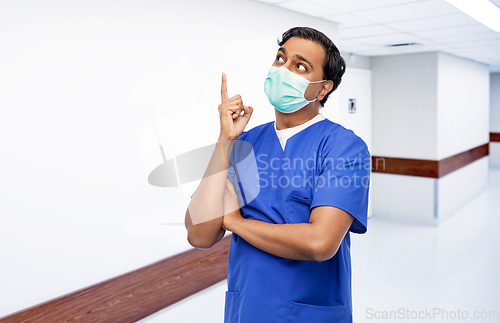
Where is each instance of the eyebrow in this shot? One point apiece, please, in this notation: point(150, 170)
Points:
point(300, 57)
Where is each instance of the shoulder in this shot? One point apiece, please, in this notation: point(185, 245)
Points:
point(337, 137)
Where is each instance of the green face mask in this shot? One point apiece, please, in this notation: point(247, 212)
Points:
point(285, 90)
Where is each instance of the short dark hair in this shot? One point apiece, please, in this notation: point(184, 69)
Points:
point(334, 64)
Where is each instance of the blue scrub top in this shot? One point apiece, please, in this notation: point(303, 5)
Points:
point(324, 164)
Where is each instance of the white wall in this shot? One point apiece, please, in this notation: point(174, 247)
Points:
point(405, 105)
point(494, 154)
point(404, 198)
point(356, 84)
point(356, 61)
point(458, 188)
point(463, 105)
point(463, 118)
point(428, 106)
point(79, 82)
point(495, 102)
point(495, 117)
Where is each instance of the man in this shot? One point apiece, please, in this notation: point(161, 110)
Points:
point(289, 258)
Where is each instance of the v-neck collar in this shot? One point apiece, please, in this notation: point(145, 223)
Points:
point(302, 127)
point(277, 139)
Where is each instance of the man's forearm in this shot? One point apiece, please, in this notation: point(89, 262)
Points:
point(290, 240)
point(204, 214)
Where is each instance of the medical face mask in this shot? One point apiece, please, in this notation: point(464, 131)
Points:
point(285, 90)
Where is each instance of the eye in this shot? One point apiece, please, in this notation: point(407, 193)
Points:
point(280, 59)
point(301, 67)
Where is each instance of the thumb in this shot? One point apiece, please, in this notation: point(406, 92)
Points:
point(249, 110)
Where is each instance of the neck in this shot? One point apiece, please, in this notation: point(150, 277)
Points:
point(288, 120)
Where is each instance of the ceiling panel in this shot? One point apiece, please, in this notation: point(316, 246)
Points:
point(414, 10)
point(488, 50)
point(475, 56)
point(419, 49)
point(356, 5)
point(377, 52)
point(481, 56)
point(346, 20)
point(446, 21)
point(367, 26)
point(390, 39)
point(454, 51)
point(345, 43)
point(453, 31)
point(371, 30)
point(357, 48)
point(475, 44)
point(468, 37)
point(307, 8)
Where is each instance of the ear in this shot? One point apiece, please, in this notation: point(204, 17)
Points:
point(327, 87)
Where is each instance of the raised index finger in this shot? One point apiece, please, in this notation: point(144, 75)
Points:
point(223, 88)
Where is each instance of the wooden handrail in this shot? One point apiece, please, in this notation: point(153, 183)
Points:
point(425, 167)
point(135, 295)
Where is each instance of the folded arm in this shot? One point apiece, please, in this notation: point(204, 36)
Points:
point(317, 240)
point(203, 219)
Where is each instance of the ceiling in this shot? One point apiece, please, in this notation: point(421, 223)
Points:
point(368, 27)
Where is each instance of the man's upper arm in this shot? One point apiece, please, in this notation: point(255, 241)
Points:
point(330, 225)
point(345, 179)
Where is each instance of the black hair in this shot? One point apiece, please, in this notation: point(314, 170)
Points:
point(334, 64)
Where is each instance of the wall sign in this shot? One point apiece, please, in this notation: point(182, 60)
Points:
point(352, 105)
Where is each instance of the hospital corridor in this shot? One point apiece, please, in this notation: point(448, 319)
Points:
point(249, 161)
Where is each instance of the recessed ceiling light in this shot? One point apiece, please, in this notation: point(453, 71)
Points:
point(403, 45)
point(482, 10)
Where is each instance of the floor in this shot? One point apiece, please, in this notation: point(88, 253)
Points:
point(431, 272)
point(406, 271)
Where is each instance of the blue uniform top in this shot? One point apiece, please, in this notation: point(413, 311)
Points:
point(324, 164)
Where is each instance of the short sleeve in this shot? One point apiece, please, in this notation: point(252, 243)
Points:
point(343, 178)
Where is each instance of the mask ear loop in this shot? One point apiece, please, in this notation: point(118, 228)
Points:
point(315, 82)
